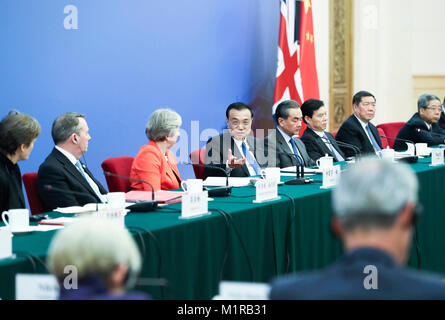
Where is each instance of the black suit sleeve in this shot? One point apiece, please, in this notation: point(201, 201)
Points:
point(348, 134)
point(53, 199)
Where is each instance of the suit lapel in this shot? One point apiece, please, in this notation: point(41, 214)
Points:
point(71, 169)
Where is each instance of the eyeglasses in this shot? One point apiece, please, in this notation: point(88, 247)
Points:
point(237, 123)
point(435, 108)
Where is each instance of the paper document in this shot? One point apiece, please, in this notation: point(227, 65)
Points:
point(89, 207)
point(221, 181)
point(57, 221)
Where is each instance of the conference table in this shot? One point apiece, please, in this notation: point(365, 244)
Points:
point(243, 241)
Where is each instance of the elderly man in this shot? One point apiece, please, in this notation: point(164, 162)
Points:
point(318, 142)
point(358, 130)
point(235, 150)
point(70, 182)
point(283, 143)
point(423, 125)
point(375, 206)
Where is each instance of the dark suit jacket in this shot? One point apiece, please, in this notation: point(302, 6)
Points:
point(442, 120)
point(276, 145)
point(410, 132)
point(59, 172)
point(345, 280)
point(352, 132)
point(11, 192)
point(94, 288)
point(316, 147)
point(216, 155)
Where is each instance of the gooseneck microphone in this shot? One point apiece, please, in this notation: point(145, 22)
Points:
point(356, 149)
point(219, 191)
point(299, 170)
point(408, 159)
point(50, 188)
point(431, 133)
point(145, 206)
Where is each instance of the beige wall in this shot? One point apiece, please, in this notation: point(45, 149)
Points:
point(395, 41)
point(398, 52)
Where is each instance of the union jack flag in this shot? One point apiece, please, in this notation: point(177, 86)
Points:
point(296, 77)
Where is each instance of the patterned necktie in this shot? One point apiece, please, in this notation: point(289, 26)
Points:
point(90, 182)
point(371, 136)
point(337, 155)
point(294, 147)
point(250, 159)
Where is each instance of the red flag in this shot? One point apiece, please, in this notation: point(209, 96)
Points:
point(296, 72)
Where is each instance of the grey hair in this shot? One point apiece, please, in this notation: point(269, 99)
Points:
point(65, 125)
point(424, 100)
point(372, 192)
point(162, 123)
point(95, 247)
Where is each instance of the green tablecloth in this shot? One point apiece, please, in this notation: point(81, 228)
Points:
point(192, 252)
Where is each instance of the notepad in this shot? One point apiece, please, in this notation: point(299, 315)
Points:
point(161, 196)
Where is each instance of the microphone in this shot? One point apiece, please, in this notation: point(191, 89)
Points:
point(431, 133)
point(145, 206)
point(218, 191)
point(49, 188)
point(409, 159)
point(300, 179)
point(356, 149)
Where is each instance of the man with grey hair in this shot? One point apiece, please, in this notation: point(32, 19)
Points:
point(64, 181)
point(423, 125)
point(375, 206)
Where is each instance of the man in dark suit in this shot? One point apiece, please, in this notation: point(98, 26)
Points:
point(442, 116)
point(375, 206)
point(423, 125)
point(358, 129)
point(235, 150)
point(283, 143)
point(318, 142)
point(63, 170)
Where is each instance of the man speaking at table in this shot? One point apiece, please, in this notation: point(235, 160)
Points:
point(423, 126)
point(70, 182)
point(235, 150)
point(375, 208)
point(358, 130)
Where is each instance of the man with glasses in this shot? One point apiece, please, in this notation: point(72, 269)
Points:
point(235, 150)
point(358, 130)
point(423, 125)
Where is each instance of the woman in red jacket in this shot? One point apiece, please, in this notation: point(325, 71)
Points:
point(155, 163)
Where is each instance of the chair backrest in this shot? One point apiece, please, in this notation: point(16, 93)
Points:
point(122, 167)
point(30, 183)
point(334, 134)
point(198, 156)
point(391, 129)
point(385, 142)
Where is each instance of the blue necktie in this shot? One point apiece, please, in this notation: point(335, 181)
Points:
point(250, 159)
point(90, 182)
point(374, 142)
point(294, 147)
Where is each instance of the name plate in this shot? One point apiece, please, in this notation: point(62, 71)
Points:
point(194, 204)
point(266, 190)
point(113, 213)
point(331, 177)
point(437, 157)
point(36, 287)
